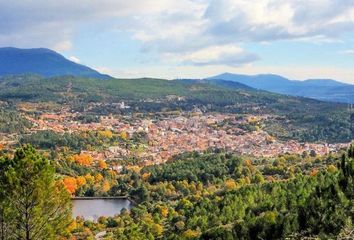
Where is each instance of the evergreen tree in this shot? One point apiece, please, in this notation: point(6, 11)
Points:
point(37, 206)
point(5, 211)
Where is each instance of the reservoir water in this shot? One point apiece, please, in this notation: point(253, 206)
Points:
point(92, 209)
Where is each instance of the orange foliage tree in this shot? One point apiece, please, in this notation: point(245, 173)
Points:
point(102, 164)
point(106, 186)
point(230, 184)
point(80, 181)
point(98, 177)
point(70, 184)
point(83, 159)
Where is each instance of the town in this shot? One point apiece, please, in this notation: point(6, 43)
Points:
point(163, 136)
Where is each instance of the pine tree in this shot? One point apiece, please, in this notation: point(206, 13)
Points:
point(39, 207)
point(5, 210)
point(351, 151)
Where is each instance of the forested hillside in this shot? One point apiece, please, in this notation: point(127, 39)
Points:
point(223, 196)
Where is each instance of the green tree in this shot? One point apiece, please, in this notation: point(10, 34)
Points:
point(39, 206)
point(5, 210)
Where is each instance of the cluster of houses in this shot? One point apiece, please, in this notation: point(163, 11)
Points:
point(169, 136)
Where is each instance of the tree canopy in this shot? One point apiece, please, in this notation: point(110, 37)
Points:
point(33, 204)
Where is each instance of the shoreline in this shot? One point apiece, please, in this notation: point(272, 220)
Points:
point(97, 198)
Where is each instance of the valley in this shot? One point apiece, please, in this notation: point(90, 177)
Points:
point(170, 146)
point(193, 159)
point(177, 120)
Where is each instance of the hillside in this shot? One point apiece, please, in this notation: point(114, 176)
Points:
point(321, 89)
point(298, 118)
point(48, 63)
point(148, 90)
point(41, 61)
point(217, 82)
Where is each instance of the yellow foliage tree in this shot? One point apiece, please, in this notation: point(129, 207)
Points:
point(106, 133)
point(98, 177)
point(80, 181)
point(124, 135)
point(164, 211)
point(89, 178)
point(190, 234)
point(102, 164)
point(147, 218)
point(157, 229)
point(112, 173)
point(249, 165)
point(106, 186)
point(72, 226)
point(331, 168)
point(230, 185)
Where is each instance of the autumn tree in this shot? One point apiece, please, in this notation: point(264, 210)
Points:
point(80, 181)
point(106, 134)
point(83, 159)
point(102, 164)
point(70, 184)
point(38, 206)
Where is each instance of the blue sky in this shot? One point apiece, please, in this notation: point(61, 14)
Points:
point(190, 38)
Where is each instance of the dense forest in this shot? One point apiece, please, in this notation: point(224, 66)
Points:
point(211, 195)
point(11, 121)
point(74, 141)
point(221, 196)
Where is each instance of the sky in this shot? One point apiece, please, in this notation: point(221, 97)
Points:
point(298, 39)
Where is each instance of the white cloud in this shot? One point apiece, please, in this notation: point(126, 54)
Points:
point(63, 46)
point(27, 23)
point(191, 27)
point(348, 51)
point(226, 54)
point(269, 20)
point(197, 32)
point(74, 59)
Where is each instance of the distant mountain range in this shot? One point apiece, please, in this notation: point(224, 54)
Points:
point(48, 63)
point(217, 82)
point(45, 62)
point(321, 89)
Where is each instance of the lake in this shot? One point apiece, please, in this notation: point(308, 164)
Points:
point(92, 209)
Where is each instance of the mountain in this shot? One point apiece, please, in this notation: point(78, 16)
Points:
point(217, 82)
point(42, 61)
point(321, 89)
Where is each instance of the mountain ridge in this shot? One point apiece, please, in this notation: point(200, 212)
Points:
point(321, 89)
point(42, 61)
point(49, 63)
